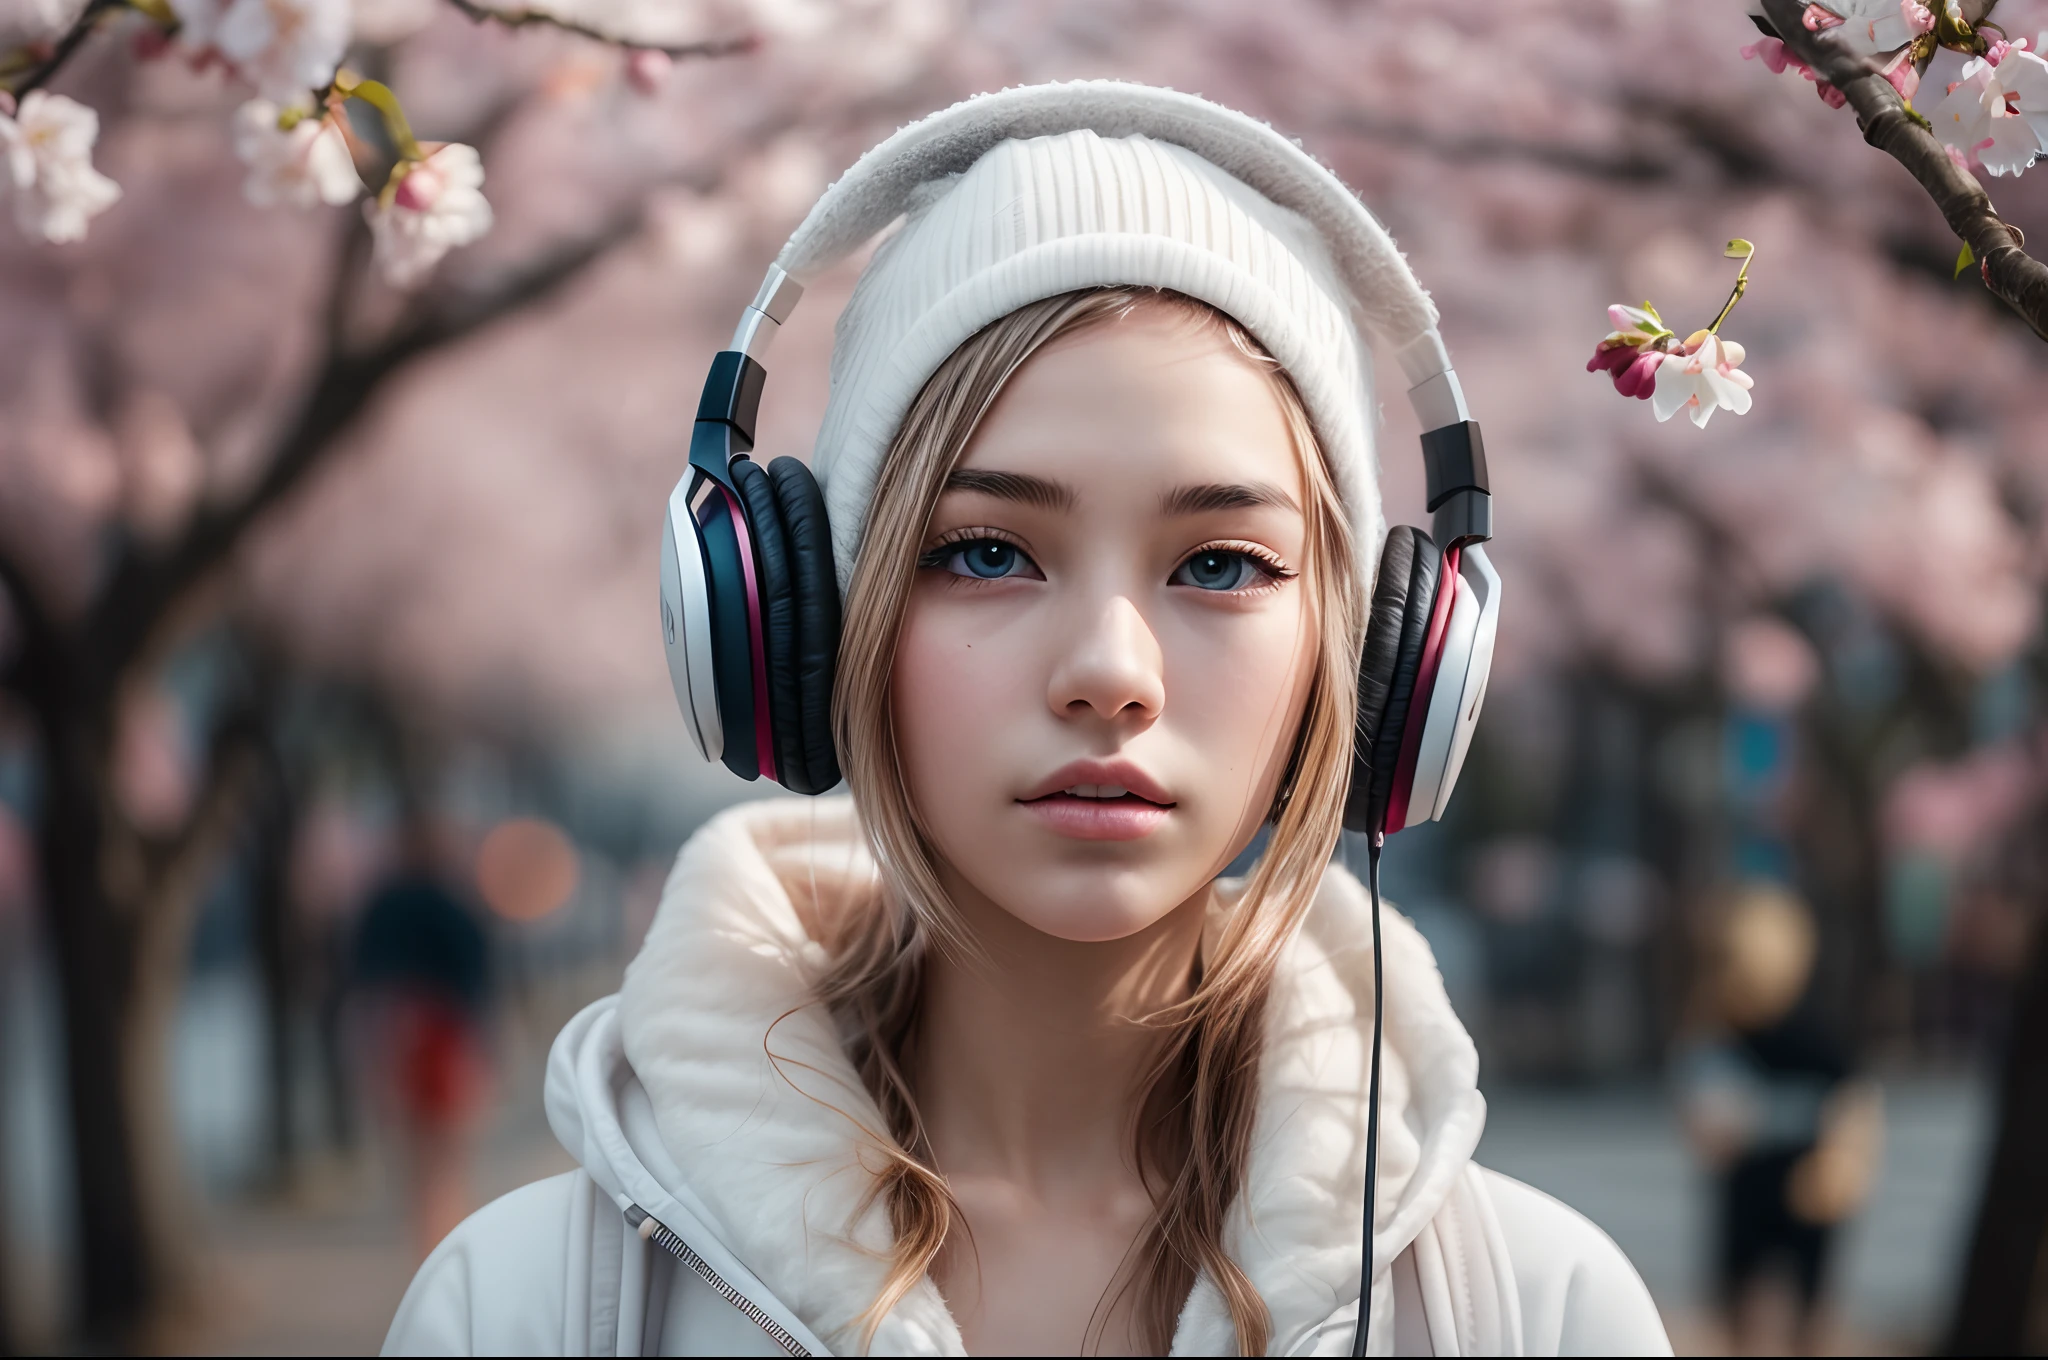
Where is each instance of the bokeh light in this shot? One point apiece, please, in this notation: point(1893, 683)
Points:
point(526, 868)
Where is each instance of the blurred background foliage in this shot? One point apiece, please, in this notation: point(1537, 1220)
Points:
point(292, 561)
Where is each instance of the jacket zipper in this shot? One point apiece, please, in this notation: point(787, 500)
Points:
point(652, 1229)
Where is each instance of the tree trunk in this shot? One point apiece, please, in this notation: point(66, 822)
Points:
point(10, 1337)
point(278, 955)
point(157, 884)
point(92, 956)
point(1995, 1306)
point(164, 917)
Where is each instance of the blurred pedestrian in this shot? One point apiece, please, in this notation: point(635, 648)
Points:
point(423, 974)
point(1773, 1108)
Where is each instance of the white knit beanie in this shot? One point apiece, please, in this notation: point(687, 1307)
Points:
point(1014, 197)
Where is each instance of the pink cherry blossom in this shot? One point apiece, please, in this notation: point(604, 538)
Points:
point(436, 205)
point(1996, 115)
point(1773, 53)
point(305, 166)
point(1634, 370)
point(1903, 73)
point(1871, 27)
point(285, 48)
point(48, 167)
point(1632, 350)
point(647, 69)
point(1701, 379)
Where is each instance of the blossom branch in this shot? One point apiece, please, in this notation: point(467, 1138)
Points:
point(526, 16)
point(2019, 280)
point(147, 587)
point(1738, 249)
point(67, 46)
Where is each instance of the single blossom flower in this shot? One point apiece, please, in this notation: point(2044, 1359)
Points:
point(307, 165)
point(1996, 115)
point(433, 206)
point(1631, 352)
point(1701, 378)
point(283, 47)
point(648, 68)
point(47, 150)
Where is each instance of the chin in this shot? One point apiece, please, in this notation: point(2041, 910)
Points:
point(1089, 906)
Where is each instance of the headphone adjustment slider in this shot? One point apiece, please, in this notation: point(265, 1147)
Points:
point(1466, 516)
point(763, 317)
point(1454, 457)
point(732, 394)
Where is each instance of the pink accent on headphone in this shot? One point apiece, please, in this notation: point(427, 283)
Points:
point(764, 730)
point(1425, 686)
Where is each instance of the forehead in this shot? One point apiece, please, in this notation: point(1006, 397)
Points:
point(1148, 401)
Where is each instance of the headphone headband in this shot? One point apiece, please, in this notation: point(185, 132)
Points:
point(880, 186)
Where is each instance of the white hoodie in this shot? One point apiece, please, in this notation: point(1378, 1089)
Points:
point(722, 1204)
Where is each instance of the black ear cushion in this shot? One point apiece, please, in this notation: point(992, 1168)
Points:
point(1376, 667)
point(809, 539)
point(778, 615)
point(1396, 631)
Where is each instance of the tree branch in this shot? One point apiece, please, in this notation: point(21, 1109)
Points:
point(1701, 129)
point(525, 16)
point(146, 586)
point(67, 46)
point(2018, 279)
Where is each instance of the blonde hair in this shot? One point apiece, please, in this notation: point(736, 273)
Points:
point(1192, 1137)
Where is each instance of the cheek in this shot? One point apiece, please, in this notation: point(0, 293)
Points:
point(1237, 691)
point(954, 692)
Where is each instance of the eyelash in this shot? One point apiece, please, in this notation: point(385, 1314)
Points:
point(1274, 572)
point(936, 555)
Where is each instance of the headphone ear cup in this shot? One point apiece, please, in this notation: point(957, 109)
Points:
point(778, 617)
point(1397, 628)
point(808, 538)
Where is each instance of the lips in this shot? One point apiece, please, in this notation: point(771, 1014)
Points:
point(1122, 776)
point(1094, 800)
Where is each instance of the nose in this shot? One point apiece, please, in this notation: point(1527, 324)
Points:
point(1113, 668)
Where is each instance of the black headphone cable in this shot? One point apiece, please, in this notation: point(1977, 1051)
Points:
point(1372, 1114)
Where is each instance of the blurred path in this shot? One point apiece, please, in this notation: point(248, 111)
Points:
point(321, 1272)
point(1618, 1158)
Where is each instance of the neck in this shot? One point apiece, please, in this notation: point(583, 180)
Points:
point(1030, 1059)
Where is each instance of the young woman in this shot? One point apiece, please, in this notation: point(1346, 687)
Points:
point(986, 1058)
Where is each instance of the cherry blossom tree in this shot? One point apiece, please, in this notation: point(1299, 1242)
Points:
point(108, 561)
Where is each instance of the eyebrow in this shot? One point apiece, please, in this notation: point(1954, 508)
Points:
point(1195, 500)
point(1014, 486)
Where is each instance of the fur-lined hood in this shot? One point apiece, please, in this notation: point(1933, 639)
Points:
point(671, 1098)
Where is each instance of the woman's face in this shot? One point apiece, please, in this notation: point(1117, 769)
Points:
point(1111, 638)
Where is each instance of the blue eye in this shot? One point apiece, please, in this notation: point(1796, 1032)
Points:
point(1218, 569)
point(985, 559)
